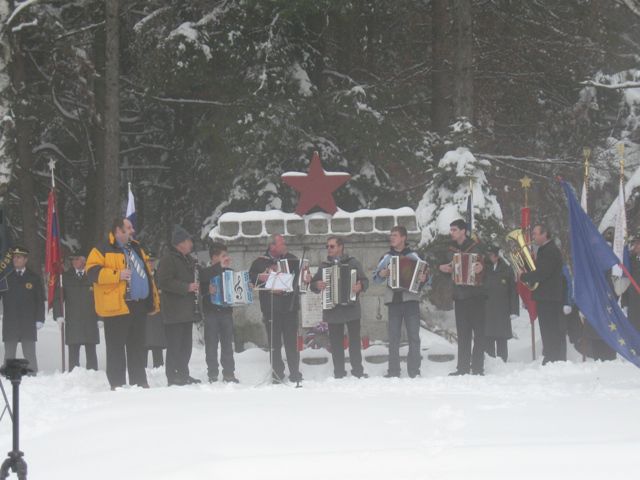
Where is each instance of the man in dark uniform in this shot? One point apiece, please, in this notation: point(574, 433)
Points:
point(341, 315)
point(23, 309)
point(176, 280)
point(631, 298)
point(502, 304)
point(469, 304)
point(280, 316)
point(549, 295)
point(79, 313)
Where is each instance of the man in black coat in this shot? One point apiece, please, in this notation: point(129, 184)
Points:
point(469, 304)
point(155, 338)
point(502, 304)
point(549, 295)
point(79, 314)
point(279, 310)
point(23, 309)
point(631, 298)
point(176, 280)
point(341, 315)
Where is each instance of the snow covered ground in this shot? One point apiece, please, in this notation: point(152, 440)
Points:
point(521, 420)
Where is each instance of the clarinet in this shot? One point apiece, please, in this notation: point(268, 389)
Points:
point(197, 311)
point(127, 250)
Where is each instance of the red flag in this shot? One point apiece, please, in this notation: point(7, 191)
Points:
point(523, 291)
point(53, 257)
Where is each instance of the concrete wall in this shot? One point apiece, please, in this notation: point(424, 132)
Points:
point(366, 246)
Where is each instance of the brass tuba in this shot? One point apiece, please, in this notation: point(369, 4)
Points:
point(521, 259)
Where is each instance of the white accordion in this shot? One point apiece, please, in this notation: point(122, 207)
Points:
point(296, 267)
point(463, 269)
point(339, 282)
point(405, 272)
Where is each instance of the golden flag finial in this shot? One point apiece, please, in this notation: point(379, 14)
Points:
point(525, 182)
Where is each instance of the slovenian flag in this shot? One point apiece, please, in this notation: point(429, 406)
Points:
point(131, 208)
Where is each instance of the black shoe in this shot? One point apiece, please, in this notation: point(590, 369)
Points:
point(458, 373)
point(391, 375)
point(478, 372)
point(360, 375)
point(295, 377)
point(192, 381)
point(414, 375)
point(176, 381)
point(213, 379)
point(230, 379)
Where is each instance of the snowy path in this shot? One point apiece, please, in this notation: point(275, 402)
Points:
point(572, 420)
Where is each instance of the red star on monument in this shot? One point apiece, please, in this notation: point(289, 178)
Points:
point(316, 187)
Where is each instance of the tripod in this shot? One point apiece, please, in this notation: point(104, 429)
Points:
point(14, 369)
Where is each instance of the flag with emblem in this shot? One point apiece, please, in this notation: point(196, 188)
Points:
point(131, 208)
point(592, 258)
point(53, 258)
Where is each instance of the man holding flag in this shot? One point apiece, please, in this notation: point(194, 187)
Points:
point(23, 309)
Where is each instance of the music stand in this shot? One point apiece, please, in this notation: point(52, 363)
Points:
point(273, 283)
point(14, 369)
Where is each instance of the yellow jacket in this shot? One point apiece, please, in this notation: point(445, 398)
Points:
point(103, 268)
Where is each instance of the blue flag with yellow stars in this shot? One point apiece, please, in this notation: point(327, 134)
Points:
point(592, 258)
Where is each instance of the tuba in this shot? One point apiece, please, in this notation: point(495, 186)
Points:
point(520, 255)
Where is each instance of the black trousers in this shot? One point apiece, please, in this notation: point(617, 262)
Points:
point(284, 330)
point(409, 313)
point(470, 327)
point(157, 356)
point(553, 332)
point(336, 336)
point(179, 345)
point(496, 344)
point(218, 329)
point(90, 352)
point(124, 338)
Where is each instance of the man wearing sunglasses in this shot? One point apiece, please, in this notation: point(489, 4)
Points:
point(341, 315)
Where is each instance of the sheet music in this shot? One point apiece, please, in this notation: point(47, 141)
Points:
point(280, 281)
point(311, 309)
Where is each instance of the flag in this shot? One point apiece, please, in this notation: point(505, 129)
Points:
point(131, 208)
point(523, 290)
point(592, 258)
point(53, 257)
point(583, 197)
point(6, 252)
point(470, 217)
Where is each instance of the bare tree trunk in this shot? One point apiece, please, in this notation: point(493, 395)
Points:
point(111, 170)
point(23, 136)
point(440, 111)
point(463, 61)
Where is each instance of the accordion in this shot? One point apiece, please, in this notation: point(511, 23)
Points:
point(463, 271)
point(232, 289)
point(304, 270)
point(405, 272)
point(339, 282)
point(297, 268)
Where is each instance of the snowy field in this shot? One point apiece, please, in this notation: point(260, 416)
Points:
point(520, 421)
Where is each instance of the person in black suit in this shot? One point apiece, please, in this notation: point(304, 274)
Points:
point(549, 295)
point(23, 309)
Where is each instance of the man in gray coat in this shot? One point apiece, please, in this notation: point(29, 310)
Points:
point(341, 315)
point(79, 313)
point(176, 280)
point(403, 306)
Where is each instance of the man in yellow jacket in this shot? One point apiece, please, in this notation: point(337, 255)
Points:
point(124, 292)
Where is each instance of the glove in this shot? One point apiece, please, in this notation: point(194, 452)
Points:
point(514, 316)
point(100, 324)
point(39, 325)
point(60, 320)
point(567, 309)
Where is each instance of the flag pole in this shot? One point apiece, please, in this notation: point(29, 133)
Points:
point(525, 182)
point(52, 167)
point(586, 152)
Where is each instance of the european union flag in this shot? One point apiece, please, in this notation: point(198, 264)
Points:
point(592, 258)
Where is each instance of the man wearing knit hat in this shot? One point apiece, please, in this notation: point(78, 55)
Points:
point(177, 282)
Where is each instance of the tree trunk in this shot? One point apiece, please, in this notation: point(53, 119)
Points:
point(463, 61)
point(440, 113)
point(111, 170)
point(23, 135)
